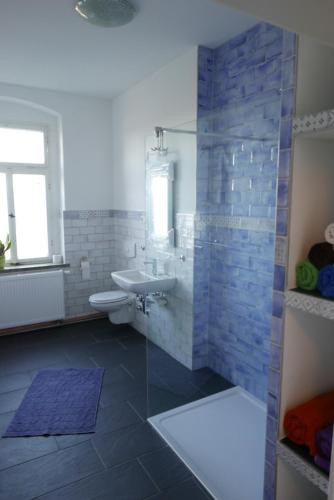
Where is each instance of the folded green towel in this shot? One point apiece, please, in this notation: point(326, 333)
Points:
point(307, 275)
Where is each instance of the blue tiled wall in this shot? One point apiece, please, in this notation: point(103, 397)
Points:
point(239, 113)
point(246, 88)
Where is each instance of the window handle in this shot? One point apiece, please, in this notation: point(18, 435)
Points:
point(11, 215)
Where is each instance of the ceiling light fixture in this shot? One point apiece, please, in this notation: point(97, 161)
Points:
point(106, 13)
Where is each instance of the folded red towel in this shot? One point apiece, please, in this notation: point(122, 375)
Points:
point(302, 423)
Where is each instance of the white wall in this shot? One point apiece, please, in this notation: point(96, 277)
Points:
point(104, 140)
point(86, 127)
point(166, 98)
point(315, 76)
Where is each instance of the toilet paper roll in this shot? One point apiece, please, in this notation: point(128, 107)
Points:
point(57, 259)
point(329, 234)
point(85, 269)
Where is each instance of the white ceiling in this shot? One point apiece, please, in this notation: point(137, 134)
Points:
point(44, 43)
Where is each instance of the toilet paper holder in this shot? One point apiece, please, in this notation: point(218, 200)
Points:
point(85, 268)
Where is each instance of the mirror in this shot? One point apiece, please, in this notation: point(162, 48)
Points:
point(160, 203)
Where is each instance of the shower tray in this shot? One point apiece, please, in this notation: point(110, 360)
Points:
point(221, 438)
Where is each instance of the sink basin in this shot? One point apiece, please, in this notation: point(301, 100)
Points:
point(141, 282)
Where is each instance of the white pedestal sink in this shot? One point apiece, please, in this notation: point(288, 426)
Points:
point(141, 282)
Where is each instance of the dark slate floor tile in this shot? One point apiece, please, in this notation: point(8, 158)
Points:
point(30, 359)
point(130, 340)
point(165, 394)
point(10, 401)
point(165, 468)
point(66, 441)
point(109, 331)
point(118, 385)
point(169, 368)
point(42, 338)
point(124, 482)
point(14, 381)
point(188, 490)
point(122, 435)
point(128, 443)
point(173, 373)
point(79, 362)
point(82, 331)
point(73, 345)
point(5, 419)
point(77, 329)
point(14, 451)
point(42, 475)
point(135, 362)
point(109, 358)
point(97, 325)
point(115, 416)
point(139, 403)
point(114, 373)
point(105, 335)
point(215, 383)
point(160, 400)
point(26, 340)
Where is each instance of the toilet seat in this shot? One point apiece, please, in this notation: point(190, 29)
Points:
point(119, 305)
point(109, 297)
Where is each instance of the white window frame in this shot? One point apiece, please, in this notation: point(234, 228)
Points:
point(27, 168)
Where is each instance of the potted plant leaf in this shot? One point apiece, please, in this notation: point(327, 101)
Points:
point(3, 249)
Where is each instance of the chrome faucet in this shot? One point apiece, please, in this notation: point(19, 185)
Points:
point(154, 264)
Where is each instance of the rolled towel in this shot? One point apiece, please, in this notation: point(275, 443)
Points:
point(301, 424)
point(321, 255)
point(307, 275)
point(325, 283)
point(323, 463)
point(324, 440)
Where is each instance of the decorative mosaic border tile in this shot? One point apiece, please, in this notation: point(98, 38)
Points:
point(307, 303)
point(121, 214)
point(86, 214)
point(303, 467)
point(184, 224)
point(235, 222)
point(312, 123)
point(281, 251)
point(128, 214)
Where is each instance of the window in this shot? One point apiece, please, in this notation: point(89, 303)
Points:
point(24, 188)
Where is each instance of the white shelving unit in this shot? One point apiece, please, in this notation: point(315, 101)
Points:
point(319, 124)
point(303, 466)
point(312, 304)
point(308, 346)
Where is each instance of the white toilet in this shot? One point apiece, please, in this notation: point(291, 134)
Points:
point(119, 305)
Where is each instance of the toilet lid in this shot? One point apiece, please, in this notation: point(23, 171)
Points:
point(105, 297)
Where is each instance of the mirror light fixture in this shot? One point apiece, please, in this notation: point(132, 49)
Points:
point(106, 13)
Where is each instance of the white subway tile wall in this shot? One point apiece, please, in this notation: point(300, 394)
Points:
point(171, 327)
point(87, 235)
point(115, 240)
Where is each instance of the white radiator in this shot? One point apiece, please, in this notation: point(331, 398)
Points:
point(31, 298)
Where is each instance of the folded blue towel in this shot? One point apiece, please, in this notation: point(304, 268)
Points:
point(325, 282)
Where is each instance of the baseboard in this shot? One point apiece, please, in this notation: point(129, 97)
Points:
point(51, 324)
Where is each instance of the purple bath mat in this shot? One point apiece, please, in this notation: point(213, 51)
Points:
point(59, 402)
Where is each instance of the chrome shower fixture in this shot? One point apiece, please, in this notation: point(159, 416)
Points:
point(159, 134)
point(106, 13)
